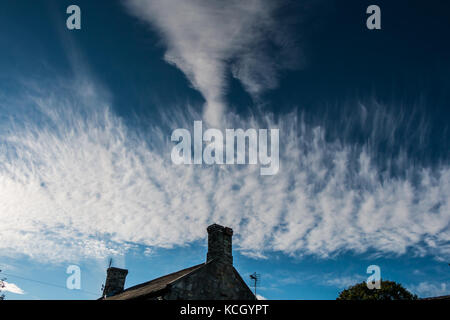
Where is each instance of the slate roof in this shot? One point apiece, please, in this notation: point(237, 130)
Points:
point(153, 287)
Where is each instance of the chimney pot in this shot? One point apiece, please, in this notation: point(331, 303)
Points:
point(115, 281)
point(219, 244)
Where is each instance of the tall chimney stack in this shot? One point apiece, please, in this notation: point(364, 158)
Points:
point(219, 244)
point(115, 281)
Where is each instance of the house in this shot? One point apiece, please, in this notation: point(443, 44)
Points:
point(215, 279)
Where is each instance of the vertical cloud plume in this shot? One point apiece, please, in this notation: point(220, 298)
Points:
point(208, 40)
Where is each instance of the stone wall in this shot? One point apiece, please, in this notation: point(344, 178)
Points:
point(220, 243)
point(115, 281)
point(215, 281)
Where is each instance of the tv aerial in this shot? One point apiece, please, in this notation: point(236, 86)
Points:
point(255, 277)
point(109, 266)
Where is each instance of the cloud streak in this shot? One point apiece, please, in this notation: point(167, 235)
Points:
point(428, 289)
point(343, 282)
point(11, 287)
point(208, 40)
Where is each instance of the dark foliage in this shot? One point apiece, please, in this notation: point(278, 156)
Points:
point(389, 291)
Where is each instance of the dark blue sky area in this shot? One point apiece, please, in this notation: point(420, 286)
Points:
point(404, 66)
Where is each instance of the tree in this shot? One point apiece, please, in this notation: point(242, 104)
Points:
point(389, 290)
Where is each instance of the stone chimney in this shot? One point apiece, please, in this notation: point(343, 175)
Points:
point(115, 281)
point(219, 244)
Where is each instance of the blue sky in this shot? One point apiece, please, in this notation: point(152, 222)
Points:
point(86, 117)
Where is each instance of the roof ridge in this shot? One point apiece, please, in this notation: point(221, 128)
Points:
point(195, 267)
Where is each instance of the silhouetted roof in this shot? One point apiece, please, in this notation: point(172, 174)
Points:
point(152, 287)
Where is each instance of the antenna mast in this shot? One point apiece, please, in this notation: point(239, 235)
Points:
point(103, 285)
point(255, 277)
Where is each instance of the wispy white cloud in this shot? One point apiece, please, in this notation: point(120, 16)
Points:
point(11, 287)
point(208, 40)
point(429, 289)
point(336, 280)
point(76, 182)
point(342, 282)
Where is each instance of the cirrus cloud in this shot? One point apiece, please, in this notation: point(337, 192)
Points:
point(76, 182)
